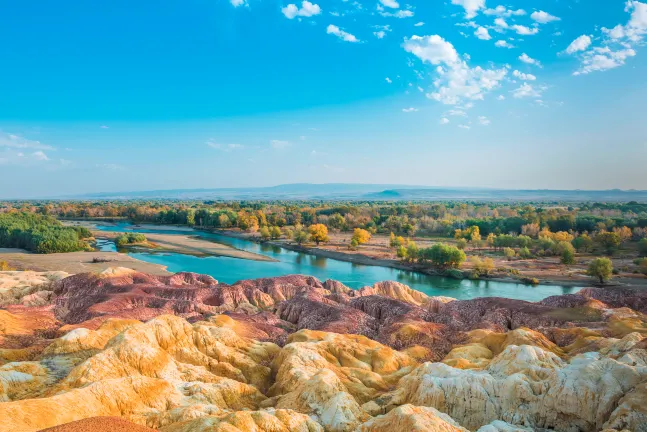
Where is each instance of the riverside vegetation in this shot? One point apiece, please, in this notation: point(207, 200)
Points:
point(512, 231)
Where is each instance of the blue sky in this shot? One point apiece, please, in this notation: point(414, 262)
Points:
point(126, 95)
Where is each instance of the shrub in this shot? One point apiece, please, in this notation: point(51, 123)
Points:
point(530, 281)
point(509, 253)
point(454, 273)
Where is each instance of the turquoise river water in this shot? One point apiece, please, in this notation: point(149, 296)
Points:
point(230, 270)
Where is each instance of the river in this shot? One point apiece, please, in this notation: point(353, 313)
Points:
point(230, 270)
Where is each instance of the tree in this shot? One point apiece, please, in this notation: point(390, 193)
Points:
point(490, 240)
point(300, 236)
point(568, 256)
point(275, 232)
point(509, 253)
point(190, 217)
point(609, 241)
point(318, 233)
point(360, 236)
point(524, 253)
point(482, 267)
point(582, 243)
point(224, 221)
point(642, 247)
point(353, 244)
point(600, 268)
point(461, 243)
point(530, 230)
point(412, 251)
point(265, 233)
point(624, 233)
point(444, 256)
point(401, 252)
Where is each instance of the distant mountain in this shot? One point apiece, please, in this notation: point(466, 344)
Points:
point(373, 192)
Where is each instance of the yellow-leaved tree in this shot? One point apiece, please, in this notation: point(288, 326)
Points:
point(318, 233)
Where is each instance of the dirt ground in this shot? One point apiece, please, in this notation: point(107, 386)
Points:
point(76, 262)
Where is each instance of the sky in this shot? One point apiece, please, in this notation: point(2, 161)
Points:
point(126, 96)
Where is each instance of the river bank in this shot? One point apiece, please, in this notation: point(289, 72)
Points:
point(184, 244)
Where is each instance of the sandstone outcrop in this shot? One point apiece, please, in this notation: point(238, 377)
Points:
point(292, 354)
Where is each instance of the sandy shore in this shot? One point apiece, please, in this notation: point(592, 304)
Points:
point(76, 262)
point(189, 245)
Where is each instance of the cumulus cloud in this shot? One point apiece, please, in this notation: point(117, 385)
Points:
point(543, 17)
point(389, 80)
point(500, 22)
point(503, 44)
point(579, 44)
point(408, 110)
point(237, 3)
point(484, 121)
point(526, 90)
point(471, 6)
point(40, 155)
point(456, 80)
point(307, 10)
point(524, 76)
point(500, 97)
point(341, 34)
point(419, 24)
point(529, 60)
point(525, 31)
point(617, 44)
point(482, 33)
point(444, 121)
point(403, 13)
point(381, 31)
point(390, 3)
point(502, 11)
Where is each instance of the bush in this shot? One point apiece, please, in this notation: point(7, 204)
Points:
point(530, 281)
point(461, 243)
point(129, 238)
point(454, 274)
point(443, 256)
point(4, 266)
point(524, 253)
point(509, 253)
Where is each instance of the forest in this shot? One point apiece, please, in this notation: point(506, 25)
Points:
point(40, 233)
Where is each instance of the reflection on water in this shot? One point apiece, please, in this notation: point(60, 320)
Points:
point(230, 270)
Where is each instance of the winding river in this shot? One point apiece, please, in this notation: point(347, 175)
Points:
point(230, 270)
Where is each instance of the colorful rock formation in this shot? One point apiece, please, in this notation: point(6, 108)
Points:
point(185, 353)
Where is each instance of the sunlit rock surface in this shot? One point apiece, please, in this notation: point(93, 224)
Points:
point(185, 353)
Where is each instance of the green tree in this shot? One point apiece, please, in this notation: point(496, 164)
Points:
point(583, 243)
point(275, 232)
point(524, 253)
point(461, 243)
point(412, 251)
point(401, 252)
point(264, 233)
point(609, 241)
point(444, 256)
point(509, 253)
point(600, 268)
point(642, 247)
point(300, 236)
point(568, 256)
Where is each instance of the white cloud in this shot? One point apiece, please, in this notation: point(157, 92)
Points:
point(390, 3)
point(455, 112)
point(39, 155)
point(603, 58)
point(279, 145)
point(617, 46)
point(523, 30)
point(523, 76)
point(104, 127)
point(224, 147)
point(456, 80)
point(341, 34)
point(420, 24)
point(403, 13)
point(526, 90)
point(65, 161)
point(504, 12)
point(464, 127)
point(15, 141)
point(237, 3)
point(579, 44)
point(471, 6)
point(482, 33)
point(543, 17)
point(484, 121)
point(408, 110)
point(381, 31)
point(500, 22)
point(444, 121)
point(389, 80)
point(503, 44)
point(529, 60)
point(307, 10)
point(501, 97)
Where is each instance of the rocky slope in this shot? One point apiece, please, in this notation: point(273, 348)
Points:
point(185, 353)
